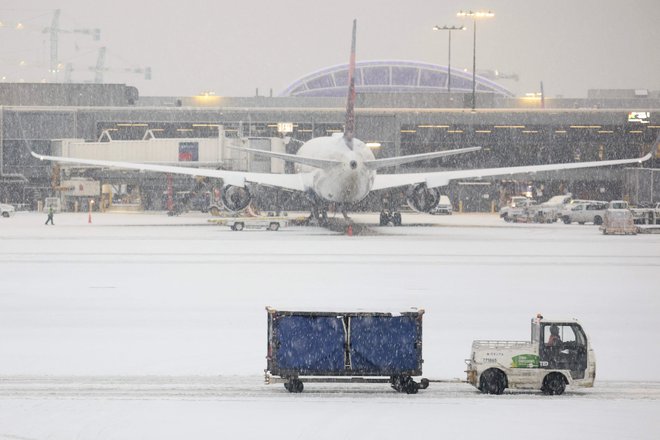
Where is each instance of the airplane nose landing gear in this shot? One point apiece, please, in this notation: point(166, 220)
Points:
point(387, 217)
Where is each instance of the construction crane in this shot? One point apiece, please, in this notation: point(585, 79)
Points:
point(100, 68)
point(54, 30)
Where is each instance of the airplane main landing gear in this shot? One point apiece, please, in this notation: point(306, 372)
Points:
point(319, 214)
point(387, 217)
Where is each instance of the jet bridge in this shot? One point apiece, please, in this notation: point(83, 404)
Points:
point(214, 152)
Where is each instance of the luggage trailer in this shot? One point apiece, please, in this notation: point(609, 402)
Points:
point(345, 347)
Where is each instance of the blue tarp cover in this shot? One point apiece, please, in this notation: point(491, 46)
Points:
point(383, 345)
point(309, 344)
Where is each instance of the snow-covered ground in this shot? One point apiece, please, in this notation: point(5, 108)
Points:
point(148, 326)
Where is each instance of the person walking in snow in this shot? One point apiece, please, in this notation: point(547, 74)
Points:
point(50, 216)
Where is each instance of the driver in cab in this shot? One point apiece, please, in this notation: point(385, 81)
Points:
point(554, 340)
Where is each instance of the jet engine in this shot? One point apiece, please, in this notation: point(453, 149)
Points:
point(235, 198)
point(422, 199)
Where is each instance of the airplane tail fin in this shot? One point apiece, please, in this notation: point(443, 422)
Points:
point(349, 128)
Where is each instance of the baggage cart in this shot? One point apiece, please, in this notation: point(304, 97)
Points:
point(354, 347)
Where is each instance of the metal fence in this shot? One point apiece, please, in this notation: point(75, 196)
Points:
point(642, 185)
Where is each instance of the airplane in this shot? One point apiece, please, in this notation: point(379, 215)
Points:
point(341, 169)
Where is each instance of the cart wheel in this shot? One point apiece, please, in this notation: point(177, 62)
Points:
point(238, 226)
point(397, 383)
point(294, 385)
point(424, 383)
point(410, 386)
point(274, 226)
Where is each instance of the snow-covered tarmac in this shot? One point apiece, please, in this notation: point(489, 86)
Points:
point(148, 326)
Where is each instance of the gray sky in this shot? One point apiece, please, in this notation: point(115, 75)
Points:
point(232, 48)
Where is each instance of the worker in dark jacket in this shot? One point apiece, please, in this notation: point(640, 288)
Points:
point(554, 340)
point(50, 216)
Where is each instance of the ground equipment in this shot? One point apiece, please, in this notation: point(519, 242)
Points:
point(363, 347)
point(558, 354)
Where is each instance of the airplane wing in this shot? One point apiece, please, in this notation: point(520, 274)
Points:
point(442, 178)
point(298, 182)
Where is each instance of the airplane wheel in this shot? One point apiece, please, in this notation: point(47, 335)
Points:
point(384, 219)
point(396, 219)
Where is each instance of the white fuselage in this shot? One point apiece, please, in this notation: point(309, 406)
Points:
point(347, 182)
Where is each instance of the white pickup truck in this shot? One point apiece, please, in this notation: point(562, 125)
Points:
point(558, 354)
point(586, 212)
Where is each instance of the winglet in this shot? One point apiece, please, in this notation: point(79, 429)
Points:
point(656, 148)
point(349, 128)
point(654, 152)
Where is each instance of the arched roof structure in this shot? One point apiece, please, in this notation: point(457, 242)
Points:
point(390, 77)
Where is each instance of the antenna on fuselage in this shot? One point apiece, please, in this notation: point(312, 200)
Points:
point(349, 128)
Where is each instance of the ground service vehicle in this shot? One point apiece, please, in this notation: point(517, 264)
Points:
point(519, 209)
point(647, 216)
point(241, 223)
point(6, 210)
point(443, 207)
point(558, 354)
point(548, 212)
point(618, 219)
point(362, 347)
point(591, 212)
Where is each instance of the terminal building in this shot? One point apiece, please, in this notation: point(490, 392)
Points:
point(402, 108)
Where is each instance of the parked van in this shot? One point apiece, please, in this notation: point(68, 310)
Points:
point(444, 207)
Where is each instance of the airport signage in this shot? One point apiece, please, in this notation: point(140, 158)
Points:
point(640, 117)
point(84, 188)
point(285, 127)
point(188, 151)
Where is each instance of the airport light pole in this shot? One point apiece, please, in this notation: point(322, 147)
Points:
point(475, 16)
point(449, 29)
